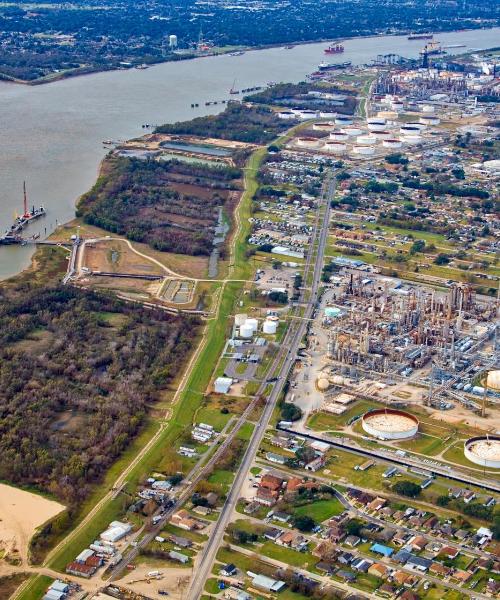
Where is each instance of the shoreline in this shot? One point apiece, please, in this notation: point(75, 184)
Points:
point(95, 70)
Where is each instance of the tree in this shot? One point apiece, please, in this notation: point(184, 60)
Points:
point(417, 246)
point(443, 500)
point(290, 412)
point(353, 527)
point(304, 523)
point(441, 259)
point(407, 488)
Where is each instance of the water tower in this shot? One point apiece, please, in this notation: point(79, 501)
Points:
point(172, 42)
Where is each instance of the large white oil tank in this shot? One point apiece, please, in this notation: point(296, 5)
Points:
point(343, 120)
point(366, 140)
point(253, 323)
point(246, 331)
point(381, 135)
point(323, 127)
point(397, 105)
point(418, 125)
point(409, 130)
point(334, 147)
point(338, 136)
point(270, 327)
point(412, 139)
point(240, 319)
point(307, 142)
point(429, 120)
point(352, 131)
point(376, 124)
point(363, 150)
point(392, 143)
point(327, 115)
point(427, 108)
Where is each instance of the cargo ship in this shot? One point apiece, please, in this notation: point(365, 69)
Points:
point(420, 36)
point(432, 48)
point(324, 66)
point(334, 49)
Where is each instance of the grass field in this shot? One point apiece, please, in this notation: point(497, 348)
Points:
point(322, 421)
point(35, 587)
point(322, 510)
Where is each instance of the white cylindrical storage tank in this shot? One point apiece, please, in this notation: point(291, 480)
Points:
point(307, 114)
point(376, 124)
point(412, 139)
point(246, 331)
point(409, 130)
point(172, 41)
point(429, 120)
point(287, 115)
point(419, 126)
point(323, 126)
point(484, 451)
point(381, 135)
point(307, 142)
point(327, 115)
point(240, 319)
point(392, 143)
point(270, 327)
point(253, 323)
point(397, 105)
point(341, 120)
point(366, 140)
point(335, 147)
point(363, 150)
point(352, 131)
point(338, 136)
point(427, 108)
point(389, 424)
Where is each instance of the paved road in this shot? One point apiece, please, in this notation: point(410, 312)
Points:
point(292, 341)
point(407, 461)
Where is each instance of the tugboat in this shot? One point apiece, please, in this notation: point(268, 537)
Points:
point(334, 49)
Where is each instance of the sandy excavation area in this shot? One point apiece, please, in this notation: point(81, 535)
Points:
point(20, 514)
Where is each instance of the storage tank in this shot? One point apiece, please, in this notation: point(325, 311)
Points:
point(341, 120)
point(172, 42)
point(430, 120)
point(246, 331)
point(270, 327)
point(392, 143)
point(419, 126)
point(240, 319)
point(352, 131)
point(390, 424)
point(412, 139)
point(338, 136)
point(397, 105)
point(327, 115)
point(427, 108)
point(323, 126)
point(390, 115)
point(409, 130)
point(253, 323)
point(308, 142)
point(381, 135)
point(376, 124)
point(334, 147)
point(366, 140)
point(363, 150)
point(484, 451)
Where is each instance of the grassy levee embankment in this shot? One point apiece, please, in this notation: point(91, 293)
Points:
point(183, 412)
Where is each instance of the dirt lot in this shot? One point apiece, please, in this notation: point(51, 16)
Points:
point(115, 256)
point(174, 580)
point(20, 514)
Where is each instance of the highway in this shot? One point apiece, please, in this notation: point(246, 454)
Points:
point(292, 341)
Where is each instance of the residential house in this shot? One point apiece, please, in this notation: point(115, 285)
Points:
point(387, 590)
point(379, 570)
point(228, 570)
point(346, 576)
point(376, 504)
point(418, 543)
point(439, 570)
point(461, 576)
point(468, 496)
point(184, 520)
point(361, 564)
point(266, 497)
point(381, 549)
point(352, 541)
point(271, 482)
point(449, 552)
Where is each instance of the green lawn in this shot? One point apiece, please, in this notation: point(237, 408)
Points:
point(35, 588)
point(322, 421)
point(245, 432)
point(321, 510)
point(221, 477)
point(303, 560)
point(213, 417)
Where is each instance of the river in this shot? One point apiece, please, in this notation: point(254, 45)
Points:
point(52, 134)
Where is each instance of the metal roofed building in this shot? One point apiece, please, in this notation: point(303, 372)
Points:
point(266, 583)
point(222, 385)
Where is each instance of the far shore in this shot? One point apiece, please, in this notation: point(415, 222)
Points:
point(80, 72)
